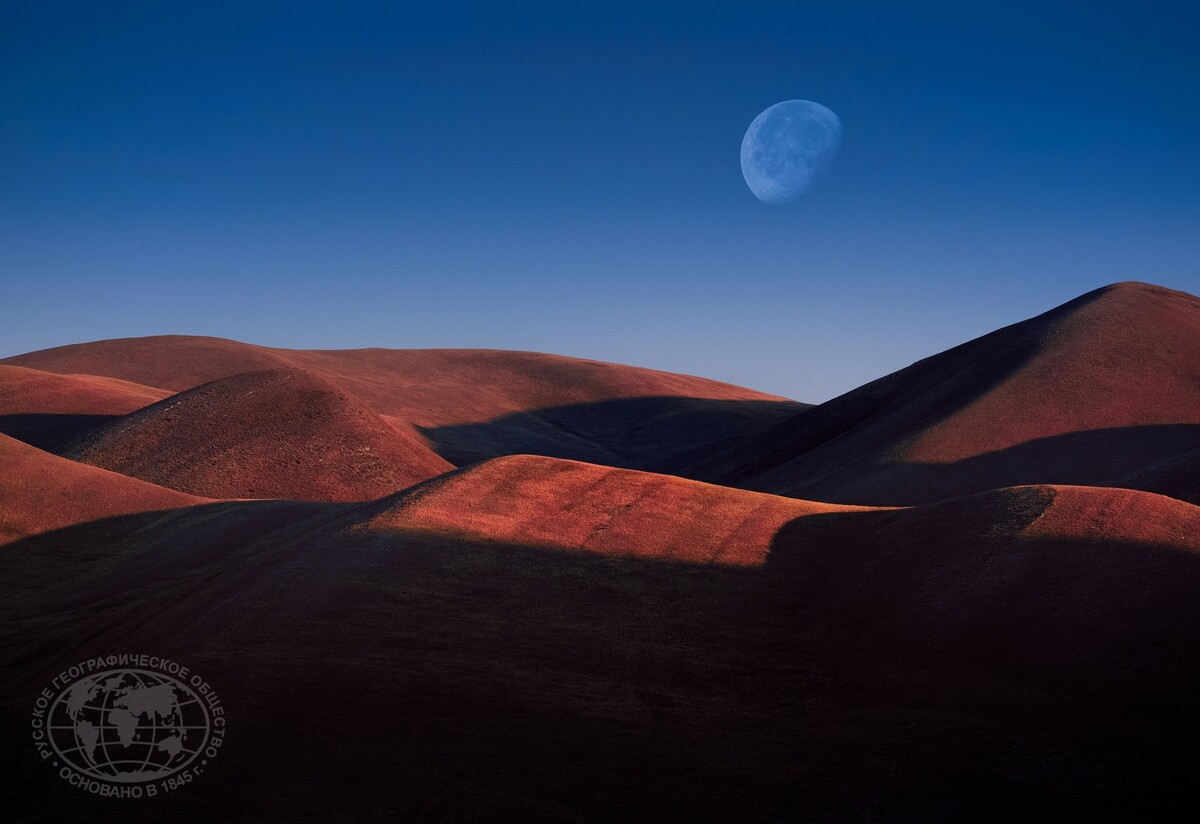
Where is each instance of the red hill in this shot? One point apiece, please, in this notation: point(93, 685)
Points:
point(1017, 650)
point(471, 404)
point(270, 434)
point(33, 391)
point(45, 409)
point(567, 505)
point(1080, 395)
point(40, 492)
point(1176, 475)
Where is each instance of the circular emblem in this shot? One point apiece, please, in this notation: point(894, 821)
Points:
point(150, 723)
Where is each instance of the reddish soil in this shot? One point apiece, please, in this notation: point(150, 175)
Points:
point(429, 387)
point(40, 492)
point(281, 433)
point(471, 404)
point(32, 391)
point(1083, 394)
point(47, 409)
point(566, 505)
point(1020, 653)
point(529, 638)
point(1082, 513)
point(1177, 476)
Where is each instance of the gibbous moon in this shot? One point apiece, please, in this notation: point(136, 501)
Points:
point(787, 147)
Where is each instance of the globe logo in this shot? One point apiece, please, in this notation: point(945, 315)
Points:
point(128, 725)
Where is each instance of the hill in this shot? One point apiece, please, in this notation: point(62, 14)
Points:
point(995, 656)
point(1082, 394)
point(469, 404)
point(568, 505)
point(40, 492)
point(1176, 475)
point(280, 433)
point(46, 409)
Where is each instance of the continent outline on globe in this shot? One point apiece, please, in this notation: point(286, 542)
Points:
point(131, 702)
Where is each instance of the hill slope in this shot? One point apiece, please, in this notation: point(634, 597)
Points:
point(469, 404)
point(40, 492)
point(567, 505)
point(280, 433)
point(45, 409)
point(1082, 394)
point(1176, 475)
point(987, 658)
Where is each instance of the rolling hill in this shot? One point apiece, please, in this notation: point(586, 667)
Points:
point(1082, 394)
point(45, 409)
point(480, 647)
point(277, 433)
point(469, 404)
point(40, 492)
point(436, 585)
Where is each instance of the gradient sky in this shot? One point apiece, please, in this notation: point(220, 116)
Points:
point(344, 174)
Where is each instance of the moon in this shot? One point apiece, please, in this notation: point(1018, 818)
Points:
point(787, 148)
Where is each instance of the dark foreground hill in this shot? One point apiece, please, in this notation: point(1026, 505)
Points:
point(540, 640)
point(526, 638)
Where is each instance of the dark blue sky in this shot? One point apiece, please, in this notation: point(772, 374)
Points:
point(347, 174)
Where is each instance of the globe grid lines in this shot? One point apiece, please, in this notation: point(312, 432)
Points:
point(138, 768)
point(152, 717)
point(180, 704)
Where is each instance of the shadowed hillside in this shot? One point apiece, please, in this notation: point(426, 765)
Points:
point(280, 433)
point(530, 638)
point(40, 492)
point(1080, 395)
point(472, 404)
point(997, 656)
point(1176, 475)
point(46, 409)
point(548, 502)
point(656, 434)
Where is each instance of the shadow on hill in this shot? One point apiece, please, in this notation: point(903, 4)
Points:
point(50, 431)
point(1095, 457)
point(881, 666)
point(886, 412)
point(985, 677)
point(653, 433)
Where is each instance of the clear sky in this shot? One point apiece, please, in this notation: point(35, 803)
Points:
point(556, 179)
